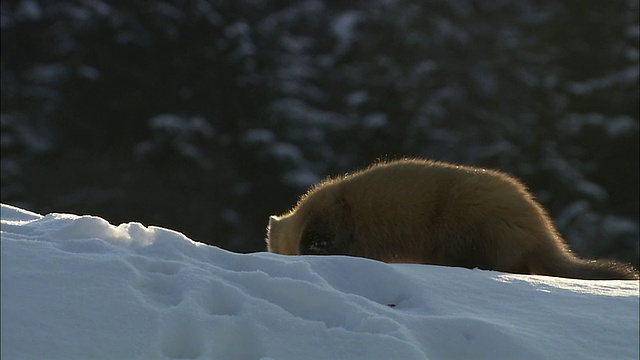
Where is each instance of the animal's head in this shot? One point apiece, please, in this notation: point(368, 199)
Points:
point(317, 225)
point(283, 234)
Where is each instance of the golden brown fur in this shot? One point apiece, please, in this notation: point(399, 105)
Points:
point(421, 211)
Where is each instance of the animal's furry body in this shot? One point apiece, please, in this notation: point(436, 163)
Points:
point(421, 211)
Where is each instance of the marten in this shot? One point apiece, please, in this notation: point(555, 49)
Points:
point(430, 212)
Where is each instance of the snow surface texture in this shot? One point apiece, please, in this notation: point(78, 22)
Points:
point(77, 287)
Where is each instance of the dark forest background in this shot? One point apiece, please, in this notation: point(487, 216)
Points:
point(208, 116)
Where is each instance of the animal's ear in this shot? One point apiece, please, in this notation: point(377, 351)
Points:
point(324, 234)
point(273, 230)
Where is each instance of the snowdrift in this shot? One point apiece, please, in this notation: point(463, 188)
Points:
point(77, 287)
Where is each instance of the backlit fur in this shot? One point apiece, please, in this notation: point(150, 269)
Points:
point(428, 212)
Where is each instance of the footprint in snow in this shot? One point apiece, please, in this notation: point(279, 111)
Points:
point(156, 281)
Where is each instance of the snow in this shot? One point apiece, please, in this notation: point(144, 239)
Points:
point(343, 28)
point(77, 287)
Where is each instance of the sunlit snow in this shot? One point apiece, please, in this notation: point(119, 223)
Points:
point(77, 287)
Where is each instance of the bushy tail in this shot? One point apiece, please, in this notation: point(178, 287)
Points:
point(576, 268)
point(602, 270)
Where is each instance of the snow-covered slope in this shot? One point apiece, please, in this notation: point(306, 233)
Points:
point(77, 287)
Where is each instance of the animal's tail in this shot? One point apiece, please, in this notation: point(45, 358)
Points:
point(573, 267)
